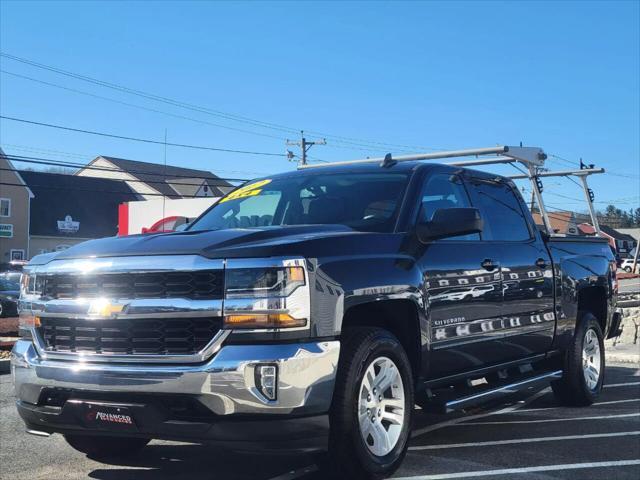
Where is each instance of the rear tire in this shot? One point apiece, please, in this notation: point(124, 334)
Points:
point(584, 365)
point(372, 406)
point(106, 447)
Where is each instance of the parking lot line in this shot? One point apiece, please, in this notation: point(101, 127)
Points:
point(524, 440)
point(551, 420)
point(621, 384)
point(512, 471)
point(612, 402)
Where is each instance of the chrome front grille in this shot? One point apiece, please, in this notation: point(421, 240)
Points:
point(142, 336)
point(199, 285)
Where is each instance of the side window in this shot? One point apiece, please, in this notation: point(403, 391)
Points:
point(504, 219)
point(442, 191)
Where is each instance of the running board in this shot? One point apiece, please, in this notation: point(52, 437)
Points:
point(38, 433)
point(474, 398)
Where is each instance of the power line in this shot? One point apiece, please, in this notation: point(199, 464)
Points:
point(610, 172)
point(84, 157)
point(57, 163)
point(148, 109)
point(151, 182)
point(136, 139)
point(149, 96)
point(60, 153)
point(345, 140)
point(66, 188)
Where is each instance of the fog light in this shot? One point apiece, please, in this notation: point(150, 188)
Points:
point(267, 380)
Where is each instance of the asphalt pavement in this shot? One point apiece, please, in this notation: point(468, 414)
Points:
point(524, 436)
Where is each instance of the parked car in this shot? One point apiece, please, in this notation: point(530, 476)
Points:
point(297, 313)
point(9, 293)
point(627, 265)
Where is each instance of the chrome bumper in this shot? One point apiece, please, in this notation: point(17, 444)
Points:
point(225, 384)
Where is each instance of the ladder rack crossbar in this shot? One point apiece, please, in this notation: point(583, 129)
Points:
point(562, 173)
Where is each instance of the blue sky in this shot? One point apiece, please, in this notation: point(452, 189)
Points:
point(563, 76)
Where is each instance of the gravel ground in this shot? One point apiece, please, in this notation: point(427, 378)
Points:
point(524, 436)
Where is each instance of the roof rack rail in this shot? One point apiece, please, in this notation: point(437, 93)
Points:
point(532, 158)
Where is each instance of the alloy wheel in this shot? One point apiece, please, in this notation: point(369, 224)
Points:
point(381, 406)
point(591, 361)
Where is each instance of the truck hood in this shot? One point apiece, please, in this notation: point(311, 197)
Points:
point(237, 242)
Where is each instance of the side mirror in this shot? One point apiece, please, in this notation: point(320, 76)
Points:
point(450, 222)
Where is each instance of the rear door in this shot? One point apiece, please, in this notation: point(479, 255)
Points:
point(463, 282)
point(527, 275)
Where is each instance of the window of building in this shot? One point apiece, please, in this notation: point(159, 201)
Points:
point(5, 207)
point(17, 254)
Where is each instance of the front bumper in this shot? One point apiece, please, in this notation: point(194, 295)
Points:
point(230, 407)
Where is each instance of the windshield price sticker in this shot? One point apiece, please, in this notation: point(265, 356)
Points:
point(246, 191)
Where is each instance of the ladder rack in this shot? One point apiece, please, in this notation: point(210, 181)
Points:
point(532, 158)
point(588, 193)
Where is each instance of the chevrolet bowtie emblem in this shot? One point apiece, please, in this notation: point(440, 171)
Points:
point(105, 308)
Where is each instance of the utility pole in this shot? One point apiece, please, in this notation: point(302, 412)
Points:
point(304, 145)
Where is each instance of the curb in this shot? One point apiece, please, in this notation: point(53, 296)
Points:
point(622, 357)
point(5, 366)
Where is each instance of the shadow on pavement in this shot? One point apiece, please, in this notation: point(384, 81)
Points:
point(196, 461)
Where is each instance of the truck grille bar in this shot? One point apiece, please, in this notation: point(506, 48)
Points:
point(204, 284)
point(162, 336)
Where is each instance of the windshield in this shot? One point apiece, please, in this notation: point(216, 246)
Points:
point(365, 202)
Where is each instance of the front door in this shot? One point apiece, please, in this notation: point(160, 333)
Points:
point(464, 286)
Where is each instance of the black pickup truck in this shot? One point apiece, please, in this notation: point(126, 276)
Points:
point(313, 309)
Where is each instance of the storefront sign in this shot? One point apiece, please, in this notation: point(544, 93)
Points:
point(68, 225)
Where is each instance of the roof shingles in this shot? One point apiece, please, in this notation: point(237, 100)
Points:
point(162, 178)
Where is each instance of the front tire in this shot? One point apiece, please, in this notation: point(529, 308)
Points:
point(106, 447)
point(372, 406)
point(584, 365)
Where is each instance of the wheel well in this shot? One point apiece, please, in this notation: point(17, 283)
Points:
point(400, 317)
point(594, 300)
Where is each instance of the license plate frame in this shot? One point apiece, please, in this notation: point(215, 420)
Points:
point(112, 417)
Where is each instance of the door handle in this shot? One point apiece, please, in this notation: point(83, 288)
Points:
point(489, 264)
point(541, 263)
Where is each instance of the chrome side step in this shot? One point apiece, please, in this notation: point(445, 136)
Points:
point(38, 433)
point(479, 394)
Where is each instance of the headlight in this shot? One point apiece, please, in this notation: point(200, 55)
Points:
point(266, 295)
point(31, 284)
point(263, 282)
